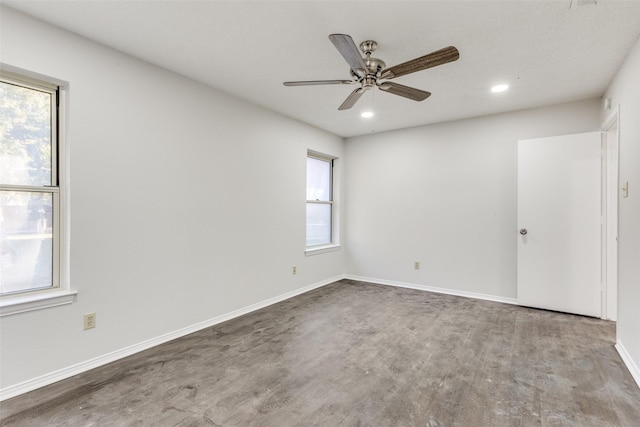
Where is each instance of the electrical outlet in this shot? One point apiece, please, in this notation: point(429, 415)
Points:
point(416, 265)
point(89, 321)
point(294, 270)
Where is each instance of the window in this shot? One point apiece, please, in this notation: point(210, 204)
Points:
point(29, 188)
point(320, 207)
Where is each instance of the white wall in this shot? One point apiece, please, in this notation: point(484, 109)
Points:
point(624, 92)
point(445, 195)
point(186, 204)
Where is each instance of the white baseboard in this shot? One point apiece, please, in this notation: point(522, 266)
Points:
point(434, 289)
point(50, 378)
point(629, 362)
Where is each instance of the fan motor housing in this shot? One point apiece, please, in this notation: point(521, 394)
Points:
point(368, 82)
point(374, 65)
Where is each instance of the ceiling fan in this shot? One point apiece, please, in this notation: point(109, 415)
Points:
point(369, 71)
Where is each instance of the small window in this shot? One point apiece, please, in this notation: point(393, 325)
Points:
point(29, 187)
point(320, 210)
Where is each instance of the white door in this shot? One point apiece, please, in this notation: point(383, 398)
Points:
point(558, 232)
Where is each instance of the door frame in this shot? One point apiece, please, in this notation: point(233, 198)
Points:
point(609, 228)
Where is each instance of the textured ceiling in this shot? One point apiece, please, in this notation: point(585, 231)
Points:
point(546, 51)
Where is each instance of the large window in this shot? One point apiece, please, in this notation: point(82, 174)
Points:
point(29, 187)
point(320, 210)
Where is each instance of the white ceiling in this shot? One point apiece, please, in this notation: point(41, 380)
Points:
point(546, 51)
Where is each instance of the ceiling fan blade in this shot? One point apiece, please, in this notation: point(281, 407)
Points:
point(406, 91)
point(349, 51)
point(319, 82)
point(439, 57)
point(351, 99)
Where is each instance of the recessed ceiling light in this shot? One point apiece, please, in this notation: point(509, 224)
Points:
point(499, 88)
point(366, 114)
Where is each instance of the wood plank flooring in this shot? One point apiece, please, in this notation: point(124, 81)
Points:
point(359, 354)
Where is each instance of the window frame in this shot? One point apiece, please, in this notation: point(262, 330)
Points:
point(333, 245)
point(58, 293)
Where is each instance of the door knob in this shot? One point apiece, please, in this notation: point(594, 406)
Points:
point(523, 231)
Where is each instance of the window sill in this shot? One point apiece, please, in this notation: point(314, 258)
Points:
point(321, 249)
point(22, 303)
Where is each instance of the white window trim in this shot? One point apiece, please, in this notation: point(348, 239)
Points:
point(21, 303)
point(334, 245)
point(61, 294)
point(322, 249)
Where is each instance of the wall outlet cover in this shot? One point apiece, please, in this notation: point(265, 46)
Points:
point(89, 321)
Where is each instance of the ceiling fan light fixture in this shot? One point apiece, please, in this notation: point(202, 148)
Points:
point(367, 114)
point(499, 88)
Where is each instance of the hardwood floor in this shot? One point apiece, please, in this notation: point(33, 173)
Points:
point(358, 354)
